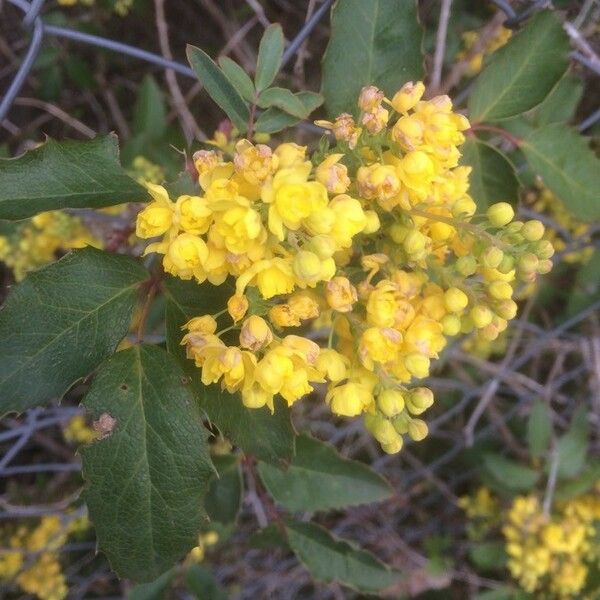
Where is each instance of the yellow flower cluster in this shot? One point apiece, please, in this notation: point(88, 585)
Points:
point(34, 563)
point(482, 510)
point(549, 555)
point(372, 241)
point(39, 240)
point(470, 38)
point(545, 202)
point(77, 431)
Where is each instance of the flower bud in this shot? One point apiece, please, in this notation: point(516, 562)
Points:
point(323, 246)
point(544, 266)
point(500, 214)
point(307, 266)
point(332, 365)
point(255, 397)
point(528, 263)
point(281, 315)
point(481, 316)
point(381, 429)
point(304, 306)
point(507, 264)
point(492, 257)
point(418, 430)
point(370, 98)
point(506, 309)
point(544, 249)
point(373, 223)
point(419, 400)
point(417, 364)
point(154, 220)
point(237, 306)
point(533, 230)
point(408, 96)
point(414, 243)
point(204, 324)
point(455, 299)
point(401, 422)
point(466, 265)
point(500, 290)
point(393, 447)
point(451, 325)
point(390, 402)
point(333, 175)
point(290, 155)
point(255, 334)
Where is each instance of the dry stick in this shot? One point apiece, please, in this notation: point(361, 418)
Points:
point(259, 12)
point(302, 53)
point(115, 109)
point(461, 67)
point(581, 43)
point(490, 391)
point(58, 113)
point(440, 46)
point(190, 128)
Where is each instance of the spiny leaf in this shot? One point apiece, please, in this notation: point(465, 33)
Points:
point(219, 88)
point(318, 478)
point(521, 74)
point(61, 322)
point(372, 43)
point(70, 174)
point(147, 477)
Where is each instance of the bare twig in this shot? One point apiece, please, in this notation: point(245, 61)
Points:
point(440, 46)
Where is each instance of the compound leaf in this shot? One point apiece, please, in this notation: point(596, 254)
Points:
point(149, 473)
point(238, 78)
point(61, 322)
point(318, 478)
point(567, 166)
point(521, 74)
point(372, 43)
point(69, 174)
point(493, 177)
point(333, 560)
point(218, 86)
point(270, 52)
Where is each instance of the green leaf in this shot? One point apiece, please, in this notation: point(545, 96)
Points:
point(219, 88)
point(572, 446)
point(150, 113)
point(561, 103)
point(274, 120)
point(203, 585)
point(509, 475)
point(586, 290)
point(372, 43)
point(567, 166)
point(493, 177)
point(521, 74)
point(238, 78)
point(488, 555)
point(330, 559)
point(284, 100)
point(61, 322)
point(225, 491)
point(268, 437)
point(148, 476)
point(311, 100)
point(70, 174)
point(270, 52)
point(583, 483)
point(503, 593)
point(318, 478)
point(539, 429)
point(154, 590)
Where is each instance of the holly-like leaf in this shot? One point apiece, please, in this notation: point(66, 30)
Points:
point(61, 322)
point(567, 166)
point(284, 100)
point(148, 474)
point(330, 559)
point(238, 77)
point(539, 428)
point(270, 52)
point(493, 177)
point(225, 491)
point(521, 74)
point(268, 437)
point(70, 174)
point(372, 43)
point(218, 86)
point(150, 113)
point(508, 474)
point(318, 478)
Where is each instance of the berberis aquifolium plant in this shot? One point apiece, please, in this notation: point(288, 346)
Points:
point(336, 272)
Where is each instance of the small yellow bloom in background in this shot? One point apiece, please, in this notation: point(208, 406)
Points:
point(78, 431)
point(332, 365)
point(204, 324)
point(407, 96)
point(290, 155)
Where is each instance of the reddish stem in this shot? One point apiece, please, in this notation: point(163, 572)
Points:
point(505, 134)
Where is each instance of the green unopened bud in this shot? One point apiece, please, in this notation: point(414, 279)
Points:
point(417, 364)
point(414, 242)
point(507, 264)
point(419, 400)
point(500, 214)
point(418, 430)
point(401, 422)
point(390, 402)
point(381, 429)
point(533, 230)
point(455, 299)
point(544, 249)
point(466, 265)
point(492, 257)
point(393, 447)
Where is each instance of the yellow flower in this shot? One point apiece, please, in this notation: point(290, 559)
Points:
point(344, 129)
point(255, 334)
point(349, 220)
point(379, 345)
point(254, 163)
point(333, 175)
point(237, 306)
point(187, 253)
point(194, 214)
point(349, 399)
point(205, 324)
point(157, 217)
point(290, 155)
point(340, 294)
point(378, 182)
point(332, 365)
point(407, 96)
